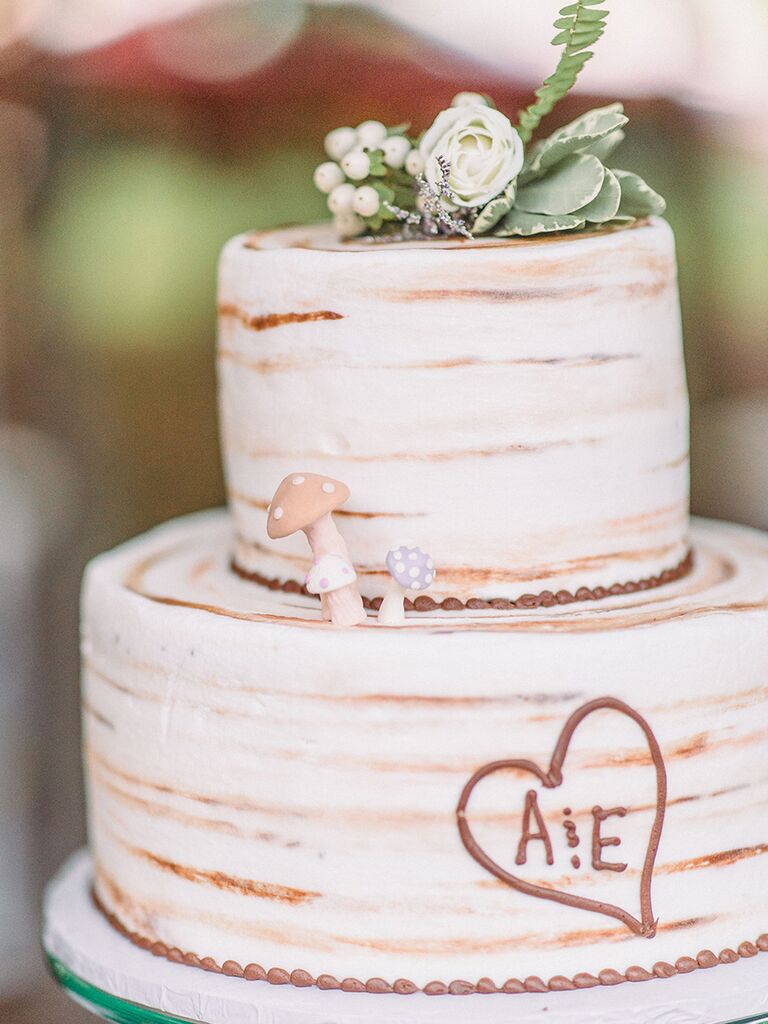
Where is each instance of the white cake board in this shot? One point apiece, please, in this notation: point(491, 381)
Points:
point(77, 935)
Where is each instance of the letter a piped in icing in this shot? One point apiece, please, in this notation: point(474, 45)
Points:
point(532, 808)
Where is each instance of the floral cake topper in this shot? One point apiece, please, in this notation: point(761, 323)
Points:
point(474, 173)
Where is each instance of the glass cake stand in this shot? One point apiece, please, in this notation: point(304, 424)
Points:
point(120, 1011)
point(104, 1004)
point(118, 982)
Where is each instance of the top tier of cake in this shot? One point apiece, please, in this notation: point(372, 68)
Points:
point(518, 409)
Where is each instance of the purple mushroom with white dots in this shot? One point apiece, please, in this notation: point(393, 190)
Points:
point(411, 569)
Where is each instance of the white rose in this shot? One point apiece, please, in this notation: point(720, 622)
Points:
point(484, 151)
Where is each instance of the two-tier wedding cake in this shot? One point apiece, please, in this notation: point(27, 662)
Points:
point(499, 726)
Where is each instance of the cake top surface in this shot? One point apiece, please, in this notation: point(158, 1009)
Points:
point(322, 237)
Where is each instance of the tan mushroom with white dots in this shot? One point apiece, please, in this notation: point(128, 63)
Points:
point(305, 501)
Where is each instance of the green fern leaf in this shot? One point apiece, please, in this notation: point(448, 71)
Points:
point(581, 24)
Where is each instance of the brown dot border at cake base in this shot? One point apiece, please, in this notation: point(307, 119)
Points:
point(544, 599)
point(303, 979)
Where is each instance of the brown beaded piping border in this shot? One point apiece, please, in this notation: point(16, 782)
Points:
point(545, 599)
point(303, 979)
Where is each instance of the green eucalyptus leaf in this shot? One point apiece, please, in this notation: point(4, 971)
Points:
point(374, 222)
point(637, 198)
point(573, 183)
point(598, 121)
point(603, 148)
point(560, 145)
point(399, 129)
point(510, 192)
point(522, 224)
point(575, 137)
point(605, 205)
point(491, 214)
point(532, 155)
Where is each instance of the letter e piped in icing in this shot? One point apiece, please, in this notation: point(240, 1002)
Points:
point(599, 841)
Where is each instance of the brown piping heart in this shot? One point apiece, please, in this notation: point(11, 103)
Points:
point(551, 779)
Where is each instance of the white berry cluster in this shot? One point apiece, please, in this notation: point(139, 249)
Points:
point(355, 176)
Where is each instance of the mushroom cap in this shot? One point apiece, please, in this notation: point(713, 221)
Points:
point(411, 567)
point(300, 500)
point(331, 572)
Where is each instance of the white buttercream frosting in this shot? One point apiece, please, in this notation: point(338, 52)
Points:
point(267, 788)
point(518, 409)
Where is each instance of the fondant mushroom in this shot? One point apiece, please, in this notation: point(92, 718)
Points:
point(305, 501)
point(410, 569)
point(329, 573)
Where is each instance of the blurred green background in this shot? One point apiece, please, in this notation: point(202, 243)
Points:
point(135, 138)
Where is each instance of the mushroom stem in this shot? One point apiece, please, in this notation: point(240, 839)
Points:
point(343, 607)
point(392, 609)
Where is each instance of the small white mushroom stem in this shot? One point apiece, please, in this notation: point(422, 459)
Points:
point(392, 609)
point(343, 607)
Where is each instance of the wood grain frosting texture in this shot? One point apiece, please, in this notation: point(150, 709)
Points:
point(268, 790)
point(519, 409)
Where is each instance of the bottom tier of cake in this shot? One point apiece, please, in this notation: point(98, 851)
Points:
point(552, 798)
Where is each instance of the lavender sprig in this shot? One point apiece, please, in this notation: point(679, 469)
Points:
point(433, 218)
point(438, 219)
